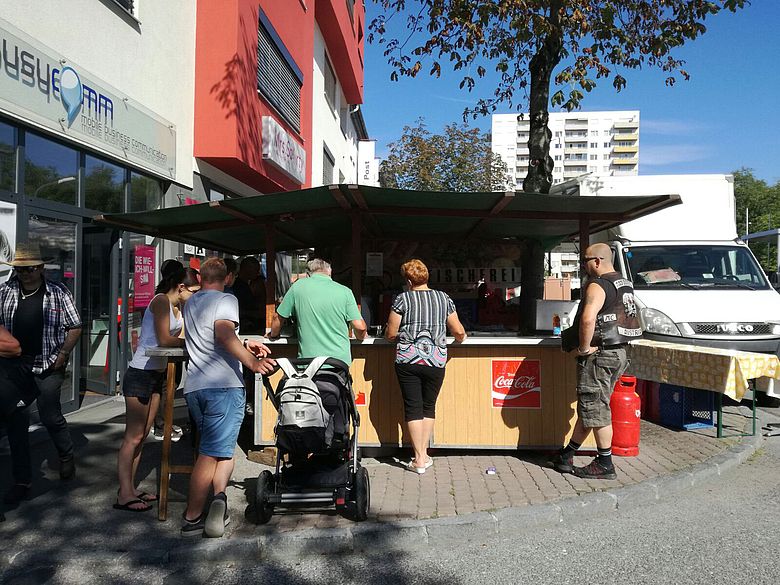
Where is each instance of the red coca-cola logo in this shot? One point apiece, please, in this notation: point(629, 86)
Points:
point(516, 384)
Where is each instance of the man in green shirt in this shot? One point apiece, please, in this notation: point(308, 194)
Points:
point(322, 309)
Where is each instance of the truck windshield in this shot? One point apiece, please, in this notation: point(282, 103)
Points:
point(694, 266)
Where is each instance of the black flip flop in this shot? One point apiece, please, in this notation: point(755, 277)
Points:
point(146, 497)
point(126, 506)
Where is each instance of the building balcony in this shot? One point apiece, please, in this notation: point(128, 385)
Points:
point(625, 149)
point(574, 149)
point(575, 125)
point(627, 124)
point(576, 136)
point(626, 136)
point(625, 161)
point(574, 161)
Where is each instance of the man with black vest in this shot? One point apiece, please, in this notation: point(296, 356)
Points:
point(606, 321)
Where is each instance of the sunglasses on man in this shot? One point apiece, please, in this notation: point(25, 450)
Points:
point(28, 269)
point(587, 259)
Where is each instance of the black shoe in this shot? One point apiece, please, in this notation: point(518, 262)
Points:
point(16, 494)
point(563, 463)
point(193, 527)
point(596, 470)
point(217, 518)
point(67, 469)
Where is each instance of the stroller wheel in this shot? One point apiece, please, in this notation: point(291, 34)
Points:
point(265, 486)
point(362, 494)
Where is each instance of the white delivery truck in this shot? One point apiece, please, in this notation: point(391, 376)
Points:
point(695, 282)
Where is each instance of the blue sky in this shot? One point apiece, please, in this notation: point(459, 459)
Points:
point(726, 117)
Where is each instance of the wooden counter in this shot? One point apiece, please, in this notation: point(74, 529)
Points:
point(465, 413)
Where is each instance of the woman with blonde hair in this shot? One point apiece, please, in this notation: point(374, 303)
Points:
point(418, 321)
point(142, 385)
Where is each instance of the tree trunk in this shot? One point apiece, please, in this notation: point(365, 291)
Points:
point(540, 166)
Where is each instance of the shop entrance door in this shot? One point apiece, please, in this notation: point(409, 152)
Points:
point(59, 238)
point(100, 286)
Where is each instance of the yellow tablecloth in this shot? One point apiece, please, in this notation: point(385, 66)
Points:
point(708, 368)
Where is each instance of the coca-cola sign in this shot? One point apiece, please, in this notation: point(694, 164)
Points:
point(516, 384)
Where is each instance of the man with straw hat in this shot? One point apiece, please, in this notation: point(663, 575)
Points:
point(42, 316)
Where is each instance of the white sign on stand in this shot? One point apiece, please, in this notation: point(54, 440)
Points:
point(374, 263)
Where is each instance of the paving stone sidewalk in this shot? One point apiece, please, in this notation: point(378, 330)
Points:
point(76, 517)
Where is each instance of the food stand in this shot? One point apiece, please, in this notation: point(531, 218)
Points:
point(501, 390)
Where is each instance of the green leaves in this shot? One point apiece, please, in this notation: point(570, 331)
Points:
point(460, 159)
point(595, 38)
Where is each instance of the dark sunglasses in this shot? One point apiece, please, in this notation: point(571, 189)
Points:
point(587, 259)
point(27, 269)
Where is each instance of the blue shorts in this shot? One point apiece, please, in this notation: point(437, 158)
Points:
point(218, 413)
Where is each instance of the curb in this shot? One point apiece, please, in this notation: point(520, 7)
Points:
point(412, 534)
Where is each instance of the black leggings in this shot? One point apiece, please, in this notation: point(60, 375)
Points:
point(420, 387)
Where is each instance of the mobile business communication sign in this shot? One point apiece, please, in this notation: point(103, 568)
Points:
point(56, 94)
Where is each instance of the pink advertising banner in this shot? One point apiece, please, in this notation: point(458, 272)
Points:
point(143, 276)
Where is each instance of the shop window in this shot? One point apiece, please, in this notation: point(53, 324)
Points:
point(7, 157)
point(146, 194)
point(50, 170)
point(330, 84)
point(279, 80)
point(103, 185)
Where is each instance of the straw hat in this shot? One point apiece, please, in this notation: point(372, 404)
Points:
point(27, 254)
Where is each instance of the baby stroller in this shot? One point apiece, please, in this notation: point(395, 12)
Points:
point(317, 461)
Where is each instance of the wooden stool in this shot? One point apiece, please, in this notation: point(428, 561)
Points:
point(166, 469)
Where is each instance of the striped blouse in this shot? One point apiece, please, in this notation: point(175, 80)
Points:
point(423, 330)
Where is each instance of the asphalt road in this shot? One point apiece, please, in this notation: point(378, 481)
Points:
point(723, 532)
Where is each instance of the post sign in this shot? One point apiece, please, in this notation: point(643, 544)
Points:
point(49, 90)
point(143, 276)
point(283, 151)
point(516, 384)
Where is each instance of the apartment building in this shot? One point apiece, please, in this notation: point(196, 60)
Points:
point(602, 143)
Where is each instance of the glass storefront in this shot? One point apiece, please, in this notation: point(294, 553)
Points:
point(60, 189)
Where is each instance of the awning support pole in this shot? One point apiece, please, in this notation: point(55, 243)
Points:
point(270, 273)
point(584, 235)
point(357, 264)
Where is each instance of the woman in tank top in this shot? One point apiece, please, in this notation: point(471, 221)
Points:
point(142, 385)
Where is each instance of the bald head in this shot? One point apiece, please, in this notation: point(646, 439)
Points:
point(600, 259)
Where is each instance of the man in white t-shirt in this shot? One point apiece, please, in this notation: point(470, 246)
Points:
point(215, 394)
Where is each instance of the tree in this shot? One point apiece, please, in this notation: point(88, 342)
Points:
point(524, 41)
point(460, 159)
point(761, 202)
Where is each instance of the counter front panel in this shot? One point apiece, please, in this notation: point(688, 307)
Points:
point(470, 412)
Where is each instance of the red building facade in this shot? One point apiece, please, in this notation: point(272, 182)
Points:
point(253, 84)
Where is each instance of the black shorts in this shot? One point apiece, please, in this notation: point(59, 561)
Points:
point(142, 384)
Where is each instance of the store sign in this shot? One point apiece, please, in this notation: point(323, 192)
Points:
point(283, 151)
point(143, 276)
point(502, 276)
point(52, 92)
point(368, 164)
point(516, 384)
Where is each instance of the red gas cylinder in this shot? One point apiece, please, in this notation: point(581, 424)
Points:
point(626, 413)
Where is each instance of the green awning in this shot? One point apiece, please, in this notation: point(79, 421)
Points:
point(323, 216)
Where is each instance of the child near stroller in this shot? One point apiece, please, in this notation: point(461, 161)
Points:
point(318, 460)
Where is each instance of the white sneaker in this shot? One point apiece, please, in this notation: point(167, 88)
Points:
point(176, 433)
